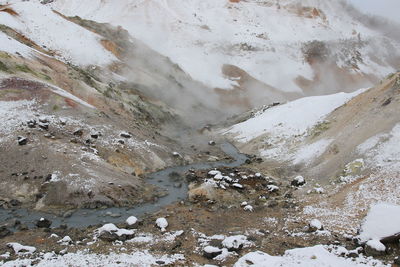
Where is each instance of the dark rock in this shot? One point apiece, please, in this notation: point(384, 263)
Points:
point(397, 261)
point(43, 120)
point(63, 226)
point(160, 262)
point(121, 141)
point(211, 143)
point(43, 223)
point(125, 135)
point(15, 202)
point(111, 237)
point(31, 124)
point(94, 136)
point(48, 177)
point(22, 140)
point(78, 132)
point(44, 126)
point(4, 232)
point(248, 161)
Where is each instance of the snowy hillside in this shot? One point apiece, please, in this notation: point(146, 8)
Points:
point(264, 38)
point(67, 40)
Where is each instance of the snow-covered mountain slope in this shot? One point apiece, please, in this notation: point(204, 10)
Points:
point(66, 40)
point(345, 146)
point(267, 39)
point(263, 51)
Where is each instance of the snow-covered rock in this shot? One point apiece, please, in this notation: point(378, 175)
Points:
point(162, 223)
point(211, 252)
point(298, 181)
point(272, 188)
point(66, 240)
point(248, 208)
point(374, 247)
point(132, 220)
point(235, 242)
point(315, 225)
point(110, 232)
point(20, 249)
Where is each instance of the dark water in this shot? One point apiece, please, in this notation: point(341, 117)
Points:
point(85, 217)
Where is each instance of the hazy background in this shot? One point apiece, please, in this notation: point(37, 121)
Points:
point(386, 8)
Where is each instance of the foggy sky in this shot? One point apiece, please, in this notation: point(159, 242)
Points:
point(385, 8)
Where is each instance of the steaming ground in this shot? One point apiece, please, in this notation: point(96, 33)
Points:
point(91, 105)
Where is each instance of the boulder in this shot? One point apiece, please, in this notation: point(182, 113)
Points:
point(125, 135)
point(43, 223)
point(22, 140)
point(315, 225)
point(374, 248)
point(78, 132)
point(298, 181)
point(43, 125)
point(211, 252)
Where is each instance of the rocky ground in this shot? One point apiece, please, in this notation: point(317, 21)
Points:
point(242, 211)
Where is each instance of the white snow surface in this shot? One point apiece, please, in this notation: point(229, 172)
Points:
point(81, 258)
point(293, 118)
point(12, 46)
point(71, 42)
point(317, 256)
point(383, 220)
point(263, 38)
point(382, 150)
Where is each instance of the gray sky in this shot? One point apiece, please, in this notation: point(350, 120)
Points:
point(386, 8)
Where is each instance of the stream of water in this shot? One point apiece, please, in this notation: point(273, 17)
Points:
point(85, 217)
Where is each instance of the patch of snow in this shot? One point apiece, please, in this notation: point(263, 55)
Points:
point(318, 256)
point(82, 258)
point(311, 151)
point(12, 46)
point(211, 249)
point(20, 249)
point(383, 220)
point(112, 228)
point(291, 119)
point(376, 245)
point(236, 242)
